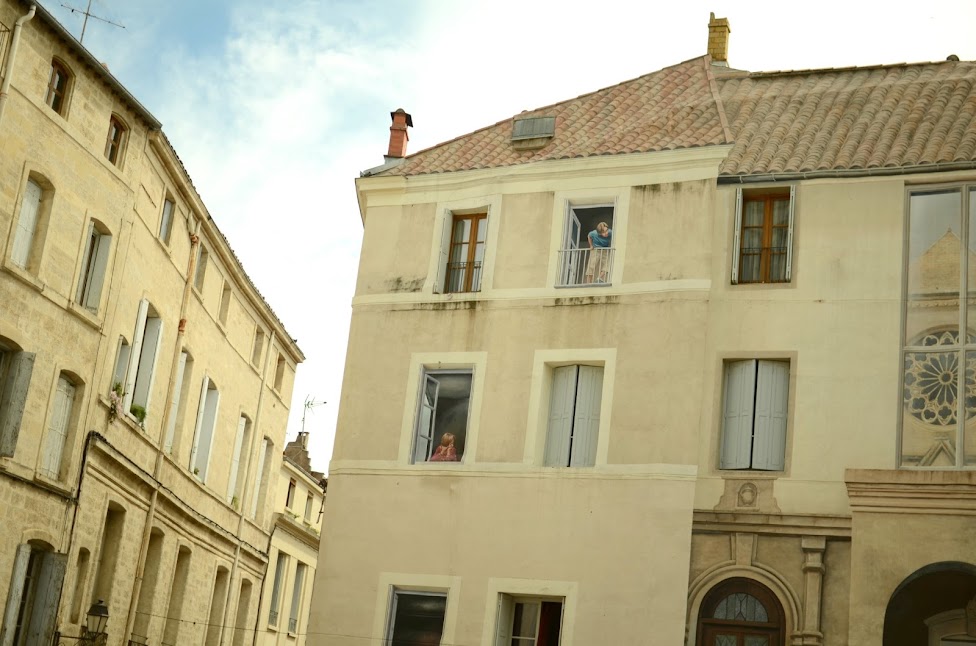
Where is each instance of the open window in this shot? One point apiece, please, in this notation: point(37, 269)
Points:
point(206, 424)
point(587, 252)
point(762, 248)
point(58, 85)
point(16, 368)
point(140, 373)
point(32, 222)
point(574, 416)
point(416, 617)
point(98, 245)
point(754, 418)
point(465, 253)
point(442, 416)
point(115, 140)
point(528, 621)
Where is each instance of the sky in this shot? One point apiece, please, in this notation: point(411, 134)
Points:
point(275, 107)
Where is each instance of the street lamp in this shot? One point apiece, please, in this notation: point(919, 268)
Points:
point(97, 620)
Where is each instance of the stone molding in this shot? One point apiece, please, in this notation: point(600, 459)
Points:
point(912, 491)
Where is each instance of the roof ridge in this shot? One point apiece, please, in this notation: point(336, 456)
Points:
point(851, 68)
point(717, 96)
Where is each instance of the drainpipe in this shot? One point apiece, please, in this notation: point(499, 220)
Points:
point(9, 68)
point(170, 394)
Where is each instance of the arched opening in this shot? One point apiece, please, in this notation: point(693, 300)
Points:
point(929, 606)
point(741, 612)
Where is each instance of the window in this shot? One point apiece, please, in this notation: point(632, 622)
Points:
point(16, 368)
point(257, 350)
point(416, 618)
point(754, 415)
point(81, 575)
point(241, 629)
point(35, 590)
point(108, 555)
point(201, 271)
point(166, 220)
point(528, 622)
point(181, 388)
point(34, 208)
point(308, 508)
point(296, 597)
point(265, 457)
point(115, 140)
point(938, 390)
point(740, 612)
point(442, 418)
point(762, 249)
point(217, 601)
point(204, 434)
point(57, 87)
point(279, 576)
point(279, 378)
point(290, 496)
point(574, 416)
point(466, 253)
point(140, 374)
point(98, 243)
point(235, 484)
point(587, 252)
point(224, 303)
point(174, 609)
point(58, 427)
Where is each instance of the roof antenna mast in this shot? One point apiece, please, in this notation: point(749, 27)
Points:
point(88, 14)
point(310, 403)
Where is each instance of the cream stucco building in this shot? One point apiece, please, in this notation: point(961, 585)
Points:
point(145, 383)
point(675, 362)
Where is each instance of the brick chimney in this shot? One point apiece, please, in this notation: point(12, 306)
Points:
point(718, 40)
point(398, 134)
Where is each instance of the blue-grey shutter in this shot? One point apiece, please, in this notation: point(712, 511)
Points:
point(561, 404)
point(586, 419)
point(135, 351)
point(740, 380)
point(425, 419)
point(146, 372)
point(13, 399)
point(26, 224)
point(504, 620)
point(736, 233)
point(11, 610)
point(789, 236)
point(96, 276)
point(769, 434)
point(47, 596)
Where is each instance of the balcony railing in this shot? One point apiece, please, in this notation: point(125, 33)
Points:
point(463, 277)
point(585, 267)
point(293, 625)
point(273, 618)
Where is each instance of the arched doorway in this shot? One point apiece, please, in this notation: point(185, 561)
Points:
point(928, 608)
point(740, 612)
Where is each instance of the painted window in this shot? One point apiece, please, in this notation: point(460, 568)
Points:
point(206, 424)
point(416, 618)
point(296, 597)
point(98, 246)
point(763, 240)
point(740, 612)
point(281, 565)
point(938, 357)
point(290, 495)
point(57, 87)
point(238, 463)
point(574, 416)
point(587, 252)
point(16, 368)
point(754, 417)
point(58, 428)
point(442, 416)
point(466, 253)
point(30, 221)
point(526, 621)
point(201, 270)
point(140, 373)
point(166, 220)
point(115, 140)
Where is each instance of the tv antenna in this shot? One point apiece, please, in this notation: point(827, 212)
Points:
point(310, 403)
point(88, 14)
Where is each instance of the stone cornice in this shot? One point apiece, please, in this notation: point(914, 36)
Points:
point(912, 491)
point(781, 524)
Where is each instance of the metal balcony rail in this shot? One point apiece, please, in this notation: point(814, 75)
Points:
point(273, 618)
point(463, 277)
point(585, 266)
point(293, 625)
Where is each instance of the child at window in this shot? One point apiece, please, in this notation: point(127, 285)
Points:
point(598, 265)
point(446, 451)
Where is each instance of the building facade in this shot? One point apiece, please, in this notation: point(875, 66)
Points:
point(675, 362)
point(145, 383)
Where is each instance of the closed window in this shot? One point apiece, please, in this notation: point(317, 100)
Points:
point(238, 463)
point(763, 240)
point(206, 424)
point(257, 349)
point(416, 618)
point(98, 244)
point(290, 495)
point(296, 597)
point(279, 376)
point(57, 87)
point(279, 579)
point(35, 589)
point(201, 270)
point(166, 220)
point(308, 508)
point(754, 417)
point(31, 224)
point(58, 428)
point(115, 140)
point(574, 416)
point(586, 256)
point(525, 621)
point(741, 612)
point(442, 416)
point(140, 373)
point(224, 304)
point(467, 253)
point(16, 368)
point(265, 459)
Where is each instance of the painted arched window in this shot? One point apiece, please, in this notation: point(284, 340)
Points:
point(57, 87)
point(741, 612)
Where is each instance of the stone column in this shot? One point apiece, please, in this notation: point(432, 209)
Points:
point(813, 572)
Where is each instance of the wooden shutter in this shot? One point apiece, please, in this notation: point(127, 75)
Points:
point(47, 596)
point(235, 463)
point(11, 610)
point(740, 380)
point(26, 224)
point(90, 249)
point(258, 476)
point(736, 234)
point(175, 406)
point(586, 419)
point(199, 425)
point(561, 405)
point(58, 427)
point(426, 419)
point(769, 435)
point(208, 431)
point(789, 236)
point(96, 272)
point(504, 620)
point(146, 374)
point(135, 350)
point(444, 252)
point(13, 399)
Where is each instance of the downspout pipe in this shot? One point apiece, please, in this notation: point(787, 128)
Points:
point(9, 67)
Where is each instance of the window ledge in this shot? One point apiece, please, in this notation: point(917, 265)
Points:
point(579, 285)
point(24, 276)
point(85, 315)
point(749, 474)
point(50, 483)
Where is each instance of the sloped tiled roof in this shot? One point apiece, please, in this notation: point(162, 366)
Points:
point(847, 119)
point(676, 107)
point(811, 121)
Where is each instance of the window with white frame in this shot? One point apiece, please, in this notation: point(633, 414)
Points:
point(203, 436)
point(528, 621)
point(442, 415)
point(98, 245)
point(574, 416)
point(16, 368)
point(166, 220)
point(257, 349)
point(762, 246)
point(296, 597)
point(416, 617)
point(281, 565)
point(58, 428)
point(754, 416)
point(141, 370)
point(262, 476)
point(462, 252)
point(587, 251)
point(200, 274)
point(181, 388)
point(31, 222)
point(238, 463)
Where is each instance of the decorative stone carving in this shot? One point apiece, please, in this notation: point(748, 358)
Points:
point(748, 495)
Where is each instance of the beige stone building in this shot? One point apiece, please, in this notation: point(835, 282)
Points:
point(675, 362)
point(287, 596)
point(145, 383)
